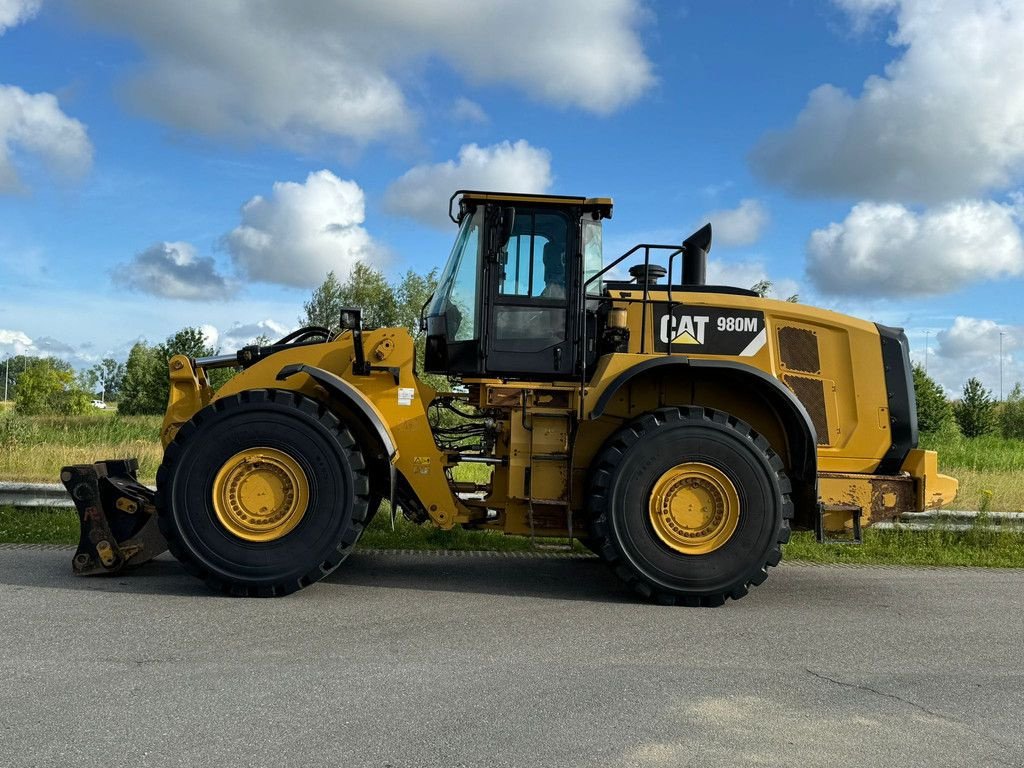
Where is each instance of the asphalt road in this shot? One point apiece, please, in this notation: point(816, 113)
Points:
point(409, 660)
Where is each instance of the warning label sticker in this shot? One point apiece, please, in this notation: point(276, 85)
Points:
point(709, 330)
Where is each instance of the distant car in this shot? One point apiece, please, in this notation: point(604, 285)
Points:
point(98, 404)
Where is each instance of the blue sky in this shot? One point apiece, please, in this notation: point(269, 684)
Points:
point(169, 164)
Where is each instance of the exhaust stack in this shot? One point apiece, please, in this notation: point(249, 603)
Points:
point(695, 256)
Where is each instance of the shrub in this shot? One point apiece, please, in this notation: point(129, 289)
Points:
point(974, 411)
point(49, 387)
point(934, 412)
point(15, 430)
point(1012, 416)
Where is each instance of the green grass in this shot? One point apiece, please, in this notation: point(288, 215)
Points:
point(976, 547)
point(60, 526)
point(990, 470)
point(33, 449)
point(407, 535)
point(989, 453)
point(38, 526)
point(942, 547)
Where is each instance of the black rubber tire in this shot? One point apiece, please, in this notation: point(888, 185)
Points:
point(312, 436)
point(619, 489)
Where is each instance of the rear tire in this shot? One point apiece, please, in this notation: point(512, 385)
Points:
point(724, 552)
point(325, 511)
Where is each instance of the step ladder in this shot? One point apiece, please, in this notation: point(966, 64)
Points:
point(825, 530)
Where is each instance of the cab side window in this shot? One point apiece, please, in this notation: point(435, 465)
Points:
point(535, 257)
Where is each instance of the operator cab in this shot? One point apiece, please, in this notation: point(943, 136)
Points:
point(508, 303)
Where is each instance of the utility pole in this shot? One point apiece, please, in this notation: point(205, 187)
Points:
point(7, 369)
point(1001, 334)
point(926, 335)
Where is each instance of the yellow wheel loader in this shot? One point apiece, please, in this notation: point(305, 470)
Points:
point(679, 430)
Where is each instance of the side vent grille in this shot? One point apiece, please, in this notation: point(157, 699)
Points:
point(811, 392)
point(798, 349)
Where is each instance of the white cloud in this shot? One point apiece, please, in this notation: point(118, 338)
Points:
point(944, 121)
point(742, 225)
point(240, 335)
point(423, 192)
point(885, 249)
point(173, 271)
point(970, 347)
point(971, 337)
point(466, 111)
point(13, 12)
point(747, 274)
point(302, 231)
point(34, 124)
point(334, 69)
point(864, 12)
point(15, 343)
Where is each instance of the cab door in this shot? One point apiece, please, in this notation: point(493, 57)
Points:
point(531, 297)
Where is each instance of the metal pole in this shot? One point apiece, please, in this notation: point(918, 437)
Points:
point(7, 368)
point(1001, 334)
point(926, 335)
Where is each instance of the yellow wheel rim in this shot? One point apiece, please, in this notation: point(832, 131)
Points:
point(260, 494)
point(694, 508)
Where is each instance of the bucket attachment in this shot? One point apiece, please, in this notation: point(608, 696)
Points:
point(116, 514)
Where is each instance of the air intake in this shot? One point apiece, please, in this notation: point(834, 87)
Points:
point(648, 274)
point(798, 349)
point(811, 392)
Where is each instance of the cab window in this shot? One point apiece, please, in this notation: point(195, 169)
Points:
point(535, 257)
point(456, 296)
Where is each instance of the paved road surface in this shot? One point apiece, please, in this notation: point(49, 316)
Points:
point(409, 660)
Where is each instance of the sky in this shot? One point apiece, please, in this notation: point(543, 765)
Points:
point(173, 163)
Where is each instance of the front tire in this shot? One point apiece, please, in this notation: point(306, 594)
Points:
point(262, 493)
point(689, 506)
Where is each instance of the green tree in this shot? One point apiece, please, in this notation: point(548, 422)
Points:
point(109, 374)
point(365, 288)
point(974, 411)
point(325, 304)
point(88, 381)
point(14, 366)
point(144, 386)
point(189, 341)
point(763, 287)
point(48, 386)
point(146, 383)
point(934, 411)
point(1011, 419)
point(411, 294)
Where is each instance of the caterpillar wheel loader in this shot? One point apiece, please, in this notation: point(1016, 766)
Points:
point(679, 430)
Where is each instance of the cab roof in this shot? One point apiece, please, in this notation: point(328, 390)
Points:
point(467, 197)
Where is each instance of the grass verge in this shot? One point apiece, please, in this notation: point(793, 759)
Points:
point(60, 526)
point(33, 449)
point(939, 547)
point(38, 526)
point(977, 547)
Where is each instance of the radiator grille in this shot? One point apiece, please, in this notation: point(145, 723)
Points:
point(811, 392)
point(798, 349)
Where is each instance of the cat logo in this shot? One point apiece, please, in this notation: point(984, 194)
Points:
point(715, 331)
point(685, 329)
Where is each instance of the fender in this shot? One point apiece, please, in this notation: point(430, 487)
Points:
point(804, 442)
point(344, 391)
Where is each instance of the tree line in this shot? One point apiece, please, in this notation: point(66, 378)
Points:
point(140, 385)
point(975, 413)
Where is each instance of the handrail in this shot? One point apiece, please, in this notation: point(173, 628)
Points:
point(674, 250)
